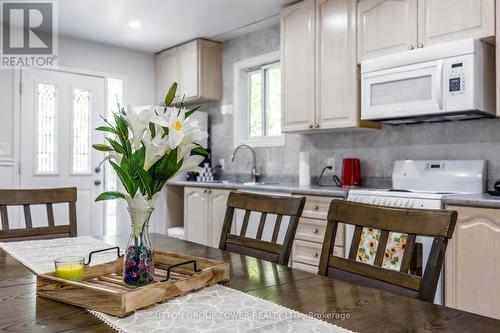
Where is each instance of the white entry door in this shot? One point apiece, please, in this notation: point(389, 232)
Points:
point(59, 112)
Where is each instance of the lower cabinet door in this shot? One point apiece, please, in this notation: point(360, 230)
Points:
point(196, 217)
point(217, 210)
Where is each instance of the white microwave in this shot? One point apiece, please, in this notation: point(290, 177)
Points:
point(442, 82)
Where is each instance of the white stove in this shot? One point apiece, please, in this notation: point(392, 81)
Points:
point(423, 184)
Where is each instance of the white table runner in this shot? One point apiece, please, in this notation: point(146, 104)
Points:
point(213, 309)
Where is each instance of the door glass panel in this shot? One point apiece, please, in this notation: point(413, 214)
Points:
point(115, 97)
point(46, 129)
point(81, 131)
point(401, 91)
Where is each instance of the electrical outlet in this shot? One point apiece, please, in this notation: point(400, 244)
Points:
point(331, 162)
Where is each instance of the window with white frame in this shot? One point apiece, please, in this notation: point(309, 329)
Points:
point(257, 101)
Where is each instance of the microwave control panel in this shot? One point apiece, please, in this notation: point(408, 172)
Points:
point(456, 78)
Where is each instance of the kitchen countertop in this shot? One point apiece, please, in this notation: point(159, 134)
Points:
point(330, 191)
point(470, 200)
point(473, 200)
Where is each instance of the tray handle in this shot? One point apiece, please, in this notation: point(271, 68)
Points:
point(117, 248)
point(195, 268)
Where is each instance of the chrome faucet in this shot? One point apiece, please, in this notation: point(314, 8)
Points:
point(255, 174)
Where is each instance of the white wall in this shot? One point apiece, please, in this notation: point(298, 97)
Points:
point(137, 66)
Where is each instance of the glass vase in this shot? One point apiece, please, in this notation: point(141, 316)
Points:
point(138, 269)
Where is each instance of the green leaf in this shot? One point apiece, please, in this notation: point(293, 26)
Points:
point(125, 178)
point(121, 125)
point(106, 129)
point(116, 146)
point(193, 110)
point(171, 94)
point(109, 196)
point(152, 129)
point(147, 181)
point(101, 147)
point(200, 150)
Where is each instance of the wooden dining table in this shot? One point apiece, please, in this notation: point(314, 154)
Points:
point(357, 308)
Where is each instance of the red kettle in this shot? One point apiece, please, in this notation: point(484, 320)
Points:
point(351, 172)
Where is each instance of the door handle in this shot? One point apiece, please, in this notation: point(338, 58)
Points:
point(97, 182)
point(97, 169)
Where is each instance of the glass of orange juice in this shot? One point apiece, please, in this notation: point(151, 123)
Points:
point(70, 268)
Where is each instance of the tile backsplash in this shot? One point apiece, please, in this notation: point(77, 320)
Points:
point(377, 149)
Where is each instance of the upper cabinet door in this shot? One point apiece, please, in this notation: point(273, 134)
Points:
point(189, 69)
point(386, 26)
point(448, 20)
point(337, 86)
point(167, 72)
point(297, 47)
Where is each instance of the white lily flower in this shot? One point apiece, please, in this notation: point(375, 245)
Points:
point(156, 147)
point(176, 128)
point(138, 119)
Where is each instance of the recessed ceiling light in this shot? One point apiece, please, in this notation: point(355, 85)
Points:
point(135, 24)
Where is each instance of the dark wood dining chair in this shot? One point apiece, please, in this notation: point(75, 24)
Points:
point(264, 204)
point(47, 197)
point(438, 224)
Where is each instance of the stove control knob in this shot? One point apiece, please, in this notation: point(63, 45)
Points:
point(398, 203)
point(375, 201)
point(407, 203)
point(410, 204)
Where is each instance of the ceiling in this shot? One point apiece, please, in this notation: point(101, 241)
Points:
point(165, 23)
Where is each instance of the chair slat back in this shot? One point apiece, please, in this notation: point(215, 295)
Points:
point(438, 224)
point(265, 205)
point(47, 197)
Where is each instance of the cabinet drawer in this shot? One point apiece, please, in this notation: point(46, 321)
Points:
point(310, 253)
point(314, 231)
point(305, 267)
point(316, 207)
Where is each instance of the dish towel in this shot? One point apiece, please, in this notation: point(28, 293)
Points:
point(214, 309)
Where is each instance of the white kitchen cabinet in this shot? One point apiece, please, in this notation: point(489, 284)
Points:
point(319, 68)
point(448, 20)
point(217, 201)
point(167, 67)
point(196, 219)
point(337, 88)
point(388, 26)
point(471, 265)
point(297, 61)
point(306, 250)
point(196, 67)
point(204, 211)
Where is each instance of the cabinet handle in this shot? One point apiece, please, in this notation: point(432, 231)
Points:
point(205, 191)
point(316, 208)
point(316, 126)
point(315, 230)
point(421, 45)
point(315, 254)
point(209, 191)
point(311, 126)
point(411, 47)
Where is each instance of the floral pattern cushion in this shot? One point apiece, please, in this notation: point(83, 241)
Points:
point(394, 250)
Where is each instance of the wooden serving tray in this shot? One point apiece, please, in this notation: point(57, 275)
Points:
point(102, 288)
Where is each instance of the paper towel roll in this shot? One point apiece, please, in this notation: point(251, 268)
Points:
point(304, 169)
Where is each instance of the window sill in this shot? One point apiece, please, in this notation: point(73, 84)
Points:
point(263, 142)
